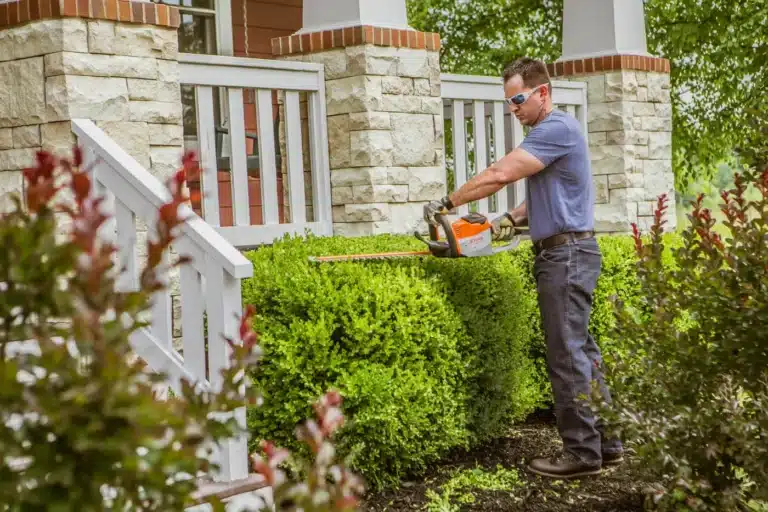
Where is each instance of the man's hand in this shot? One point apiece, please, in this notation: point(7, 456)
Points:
point(503, 227)
point(432, 208)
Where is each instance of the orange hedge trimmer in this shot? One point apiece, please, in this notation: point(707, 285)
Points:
point(468, 237)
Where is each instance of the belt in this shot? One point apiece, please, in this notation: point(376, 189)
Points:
point(560, 239)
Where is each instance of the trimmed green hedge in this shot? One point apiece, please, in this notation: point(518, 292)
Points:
point(429, 354)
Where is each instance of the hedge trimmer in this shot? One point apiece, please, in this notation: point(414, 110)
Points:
point(467, 237)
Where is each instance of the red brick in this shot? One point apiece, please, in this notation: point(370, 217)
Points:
point(3, 15)
point(589, 65)
point(348, 36)
point(569, 68)
point(70, 8)
point(316, 41)
point(150, 14)
point(667, 66)
point(23, 11)
point(138, 12)
point(327, 42)
point(413, 39)
point(357, 35)
point(45, 10)
point(559, 69)
point(276, 46)
point(163, 14)
point(174, 17)
point(578, 66)
point(338, 38)
point(388, 37)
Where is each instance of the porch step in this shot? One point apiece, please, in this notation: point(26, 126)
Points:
point(239, 495)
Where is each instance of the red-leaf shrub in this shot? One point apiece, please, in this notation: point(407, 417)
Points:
point(691, 386)
point(80, 427)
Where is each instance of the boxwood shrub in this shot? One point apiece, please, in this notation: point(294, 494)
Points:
point(430, 354)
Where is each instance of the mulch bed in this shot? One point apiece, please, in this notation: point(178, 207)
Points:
point(617, 489)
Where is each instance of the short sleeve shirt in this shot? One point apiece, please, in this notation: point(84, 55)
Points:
point(561, 196)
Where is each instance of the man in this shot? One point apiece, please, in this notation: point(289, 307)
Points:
point(558, 210)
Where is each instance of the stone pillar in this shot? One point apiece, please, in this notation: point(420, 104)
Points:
point(113, 62)
point(629, 110)
point(385, 124)
point(123, 75)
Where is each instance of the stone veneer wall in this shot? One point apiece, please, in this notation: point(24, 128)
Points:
point(385, 124)
point(122, 76)
point(630, 136)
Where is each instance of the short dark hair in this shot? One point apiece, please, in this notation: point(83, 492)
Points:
point(533, 72)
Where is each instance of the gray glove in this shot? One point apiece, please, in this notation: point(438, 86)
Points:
point(503, 228)
point(432, 208)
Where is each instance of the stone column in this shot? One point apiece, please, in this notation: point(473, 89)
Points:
point(629, 110)
point(385, 124)
point(122, 74)
point(113, 62)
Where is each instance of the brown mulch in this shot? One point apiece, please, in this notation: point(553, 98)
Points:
point(617, 489)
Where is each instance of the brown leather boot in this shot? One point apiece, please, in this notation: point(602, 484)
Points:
point(613, 459)
point(563, 465)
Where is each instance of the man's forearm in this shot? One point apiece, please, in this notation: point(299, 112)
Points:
point(481, 186)
point(514, 166)
point(520, 215)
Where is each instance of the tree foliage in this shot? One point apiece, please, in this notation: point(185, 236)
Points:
point(718, 51)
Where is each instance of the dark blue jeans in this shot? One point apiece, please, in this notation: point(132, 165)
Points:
point(566, 277)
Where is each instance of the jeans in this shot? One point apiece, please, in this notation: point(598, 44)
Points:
point(566, 277)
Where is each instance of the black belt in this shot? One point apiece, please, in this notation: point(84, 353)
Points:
point(560, 239)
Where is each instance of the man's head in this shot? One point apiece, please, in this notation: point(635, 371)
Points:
point(527, 81)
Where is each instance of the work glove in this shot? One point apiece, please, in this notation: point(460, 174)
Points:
point(503, 228)
point(443, 206)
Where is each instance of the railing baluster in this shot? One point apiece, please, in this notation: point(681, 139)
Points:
point(295, 152)
point(162, 306)
point(481, 143)
point(192, 322)
point(267, 156)
point(499, 147)
point(206, 135)
point(126, 240)
point(318, 142)
point(223, 298)
point(459, 150)
point(239, 161)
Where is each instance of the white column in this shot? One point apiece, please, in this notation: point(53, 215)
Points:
point(334, 14)
point(594, 28)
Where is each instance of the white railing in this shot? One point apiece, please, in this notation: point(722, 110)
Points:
point(209, 286)
point(488, 130)
point(234, 76)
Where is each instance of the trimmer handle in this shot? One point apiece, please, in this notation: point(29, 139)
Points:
point(442, 249)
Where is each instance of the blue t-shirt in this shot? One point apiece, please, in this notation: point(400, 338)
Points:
point(560, 197)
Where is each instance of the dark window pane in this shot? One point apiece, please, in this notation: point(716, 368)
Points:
point(197, 34)
point(201, 4)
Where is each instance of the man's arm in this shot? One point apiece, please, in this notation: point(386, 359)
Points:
point(519, 215)
point(516, 165)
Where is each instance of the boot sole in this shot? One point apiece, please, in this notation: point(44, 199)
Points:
point(614, 462)
point(580, 474)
